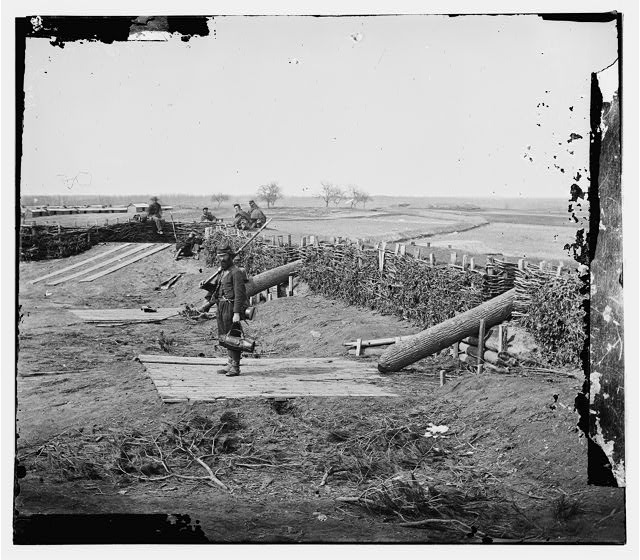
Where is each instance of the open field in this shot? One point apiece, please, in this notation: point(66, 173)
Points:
point(536, 234)
point(533, 242)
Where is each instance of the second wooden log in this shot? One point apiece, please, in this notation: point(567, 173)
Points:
point(442, 335)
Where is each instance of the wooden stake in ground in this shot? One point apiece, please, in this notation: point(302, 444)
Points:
point(481, 345)
point(174, 227)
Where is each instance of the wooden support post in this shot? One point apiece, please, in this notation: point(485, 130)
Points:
point(289, 240)
point(465, 258)
point(521, 264)
point(290, 290)
point(455, 350)
point(559, 271)
point(397, 249)
point(472, 264)
point(502, 338)
point(481, 345)
point(418, 253)
point(312, 240)
point(454, 257)
point(432, 259)
point(358, 347)
point(403, 249)
point(443, 377)
point(273, 240)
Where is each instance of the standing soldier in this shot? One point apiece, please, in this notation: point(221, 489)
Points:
point(231, 295)
point(241, 219)
point(154, 212)
point(257, 216)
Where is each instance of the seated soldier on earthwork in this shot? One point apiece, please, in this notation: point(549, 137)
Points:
point(258, 218)
point(190, 247)
point(207, 216)
point(154, 212)
point(242, 218)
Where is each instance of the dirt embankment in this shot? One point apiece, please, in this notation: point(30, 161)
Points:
point(511, 462)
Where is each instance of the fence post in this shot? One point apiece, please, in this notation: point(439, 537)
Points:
point(464, 262)
point(403, 249)
point(397, 249)
point(454, 258)
point(289, 240)
point(472, 264)
point(432, 259)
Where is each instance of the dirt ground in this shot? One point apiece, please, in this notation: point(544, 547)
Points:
point(511, 465)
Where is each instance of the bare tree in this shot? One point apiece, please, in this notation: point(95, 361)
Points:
point(329, 193)
point(354, 195)
point(219, 198)
point(363, 197)
point(270, 193)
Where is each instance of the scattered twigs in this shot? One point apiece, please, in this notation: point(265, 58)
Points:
point(212, 476)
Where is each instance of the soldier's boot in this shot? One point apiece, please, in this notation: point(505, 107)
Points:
point(234, 369)
point(225, 370)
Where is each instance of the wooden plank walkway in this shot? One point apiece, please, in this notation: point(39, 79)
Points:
point(180, 379)
point(119, 247)
point(124, 315)
point(118, 266)
point(139, 247)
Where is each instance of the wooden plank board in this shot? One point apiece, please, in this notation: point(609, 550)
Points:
point(168, 359)
point(139, 247)
point(81, 263)
point(117, 315)
point(125, 263)
point(180, 379)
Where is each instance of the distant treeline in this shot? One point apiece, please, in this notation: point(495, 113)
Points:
point(180, 200)
point(115, 200)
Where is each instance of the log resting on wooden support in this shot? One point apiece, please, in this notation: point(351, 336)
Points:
point(270, 278)
point(445, 334)
point(488, 355)
point(265, 280)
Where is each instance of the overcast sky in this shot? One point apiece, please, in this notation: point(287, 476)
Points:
point(407, 105)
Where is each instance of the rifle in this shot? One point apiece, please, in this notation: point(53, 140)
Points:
point(207, 284)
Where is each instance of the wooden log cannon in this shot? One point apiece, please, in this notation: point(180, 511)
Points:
point(442, 335)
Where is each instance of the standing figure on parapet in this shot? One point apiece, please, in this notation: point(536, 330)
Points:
point(257, 216)
point(154, 212)
point(207, 216)
point(241, 219)
point(231, 295)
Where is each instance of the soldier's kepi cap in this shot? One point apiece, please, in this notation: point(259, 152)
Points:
point(225, 249)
